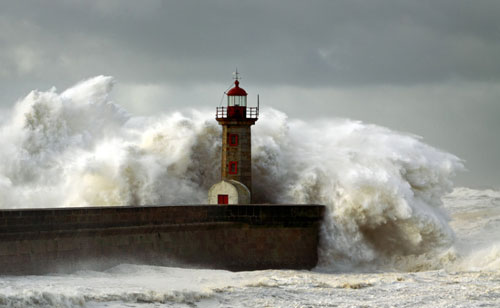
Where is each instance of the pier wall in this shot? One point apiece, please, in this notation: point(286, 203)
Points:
point(243, 237)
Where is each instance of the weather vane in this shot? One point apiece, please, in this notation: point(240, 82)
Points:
point(236, 75)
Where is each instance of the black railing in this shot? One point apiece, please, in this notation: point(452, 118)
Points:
point(251, 112)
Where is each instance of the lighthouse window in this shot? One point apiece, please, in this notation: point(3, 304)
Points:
point(233, 167)
point(233, 140)
point(237, 101)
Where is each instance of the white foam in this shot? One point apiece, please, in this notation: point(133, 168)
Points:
point(121, 284)
point(476, 220)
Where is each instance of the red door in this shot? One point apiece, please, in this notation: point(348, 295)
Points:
point(222, 199)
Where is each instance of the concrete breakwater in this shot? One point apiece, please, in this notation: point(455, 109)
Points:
point(243, 237)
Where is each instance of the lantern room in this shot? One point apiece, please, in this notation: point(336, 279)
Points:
point(236, 97)
point(237, 104)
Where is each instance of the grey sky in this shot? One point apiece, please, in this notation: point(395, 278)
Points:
point(428, 67)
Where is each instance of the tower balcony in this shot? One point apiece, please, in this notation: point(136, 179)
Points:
point(237, 112)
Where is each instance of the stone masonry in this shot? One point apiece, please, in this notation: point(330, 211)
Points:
point(241, 153)
point(244, 237)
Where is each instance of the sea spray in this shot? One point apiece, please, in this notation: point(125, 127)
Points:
point(80, 149)
point(382, 188)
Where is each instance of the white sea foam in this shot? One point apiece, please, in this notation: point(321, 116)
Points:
point(78, 148)
point(150, 286)
point(121, 284)
point(476, 220)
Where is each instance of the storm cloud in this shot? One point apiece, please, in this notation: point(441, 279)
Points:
point(427, 67)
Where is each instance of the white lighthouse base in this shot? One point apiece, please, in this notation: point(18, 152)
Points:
point(229, 192)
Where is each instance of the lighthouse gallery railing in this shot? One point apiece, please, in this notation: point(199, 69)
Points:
point(251, 112)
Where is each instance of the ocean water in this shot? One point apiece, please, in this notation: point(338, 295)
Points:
point(397, 233)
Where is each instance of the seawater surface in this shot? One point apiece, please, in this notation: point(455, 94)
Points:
point(396, 233)
point(467, 274)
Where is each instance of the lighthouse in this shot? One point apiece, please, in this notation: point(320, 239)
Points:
point(236, 120)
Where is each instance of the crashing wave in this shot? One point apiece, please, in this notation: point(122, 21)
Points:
point(382, 188)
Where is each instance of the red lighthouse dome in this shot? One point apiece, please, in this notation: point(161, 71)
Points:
point(236, 91)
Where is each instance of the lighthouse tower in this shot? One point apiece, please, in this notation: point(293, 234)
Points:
point(236, 157)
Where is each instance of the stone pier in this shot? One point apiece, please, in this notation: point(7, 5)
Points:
point(243, 237)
